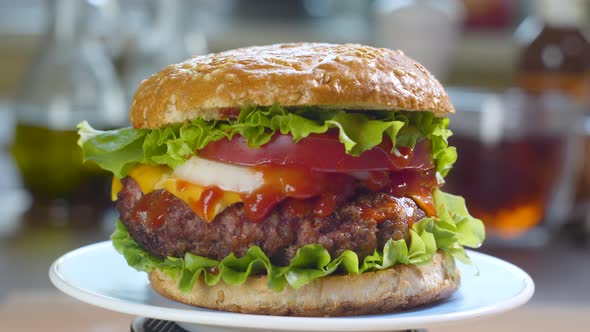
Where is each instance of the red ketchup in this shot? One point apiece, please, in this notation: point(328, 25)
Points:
point(303, 190)
point(300, 184)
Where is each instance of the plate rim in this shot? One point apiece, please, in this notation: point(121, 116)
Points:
point(238, 320)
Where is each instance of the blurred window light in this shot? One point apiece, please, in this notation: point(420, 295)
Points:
point(23, 17)
point(552, 56)
point(492, 119)
point(319, 8)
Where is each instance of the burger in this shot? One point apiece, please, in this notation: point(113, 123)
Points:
point(291, 179)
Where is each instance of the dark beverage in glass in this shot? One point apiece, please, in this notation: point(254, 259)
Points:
point(508, 184)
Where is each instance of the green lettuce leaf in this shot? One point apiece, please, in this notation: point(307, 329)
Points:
point(117, 150)
point(450, 232)
point(114, 150)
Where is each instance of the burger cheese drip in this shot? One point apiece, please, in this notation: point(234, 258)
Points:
point(209, 186)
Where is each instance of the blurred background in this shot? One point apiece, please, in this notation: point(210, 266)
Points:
point(518, 73)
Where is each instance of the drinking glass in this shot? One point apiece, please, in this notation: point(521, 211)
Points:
point(518, 160)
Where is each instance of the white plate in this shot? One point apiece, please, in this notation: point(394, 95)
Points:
point(98, 275)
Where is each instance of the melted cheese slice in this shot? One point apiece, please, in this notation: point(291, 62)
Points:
point(190, 180)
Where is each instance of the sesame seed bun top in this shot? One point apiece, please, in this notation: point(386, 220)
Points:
point(352, 77)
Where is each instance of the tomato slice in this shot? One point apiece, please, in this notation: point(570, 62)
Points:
point(318, 152)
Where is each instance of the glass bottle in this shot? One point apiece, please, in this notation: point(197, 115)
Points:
point(555, 55)
point(72, 80)
point(555, 58)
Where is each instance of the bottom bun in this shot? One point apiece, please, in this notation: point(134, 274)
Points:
point(400, 287)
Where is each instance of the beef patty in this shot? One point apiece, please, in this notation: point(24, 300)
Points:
point(164, 225)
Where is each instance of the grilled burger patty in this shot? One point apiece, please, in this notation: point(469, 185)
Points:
point(165, 226)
